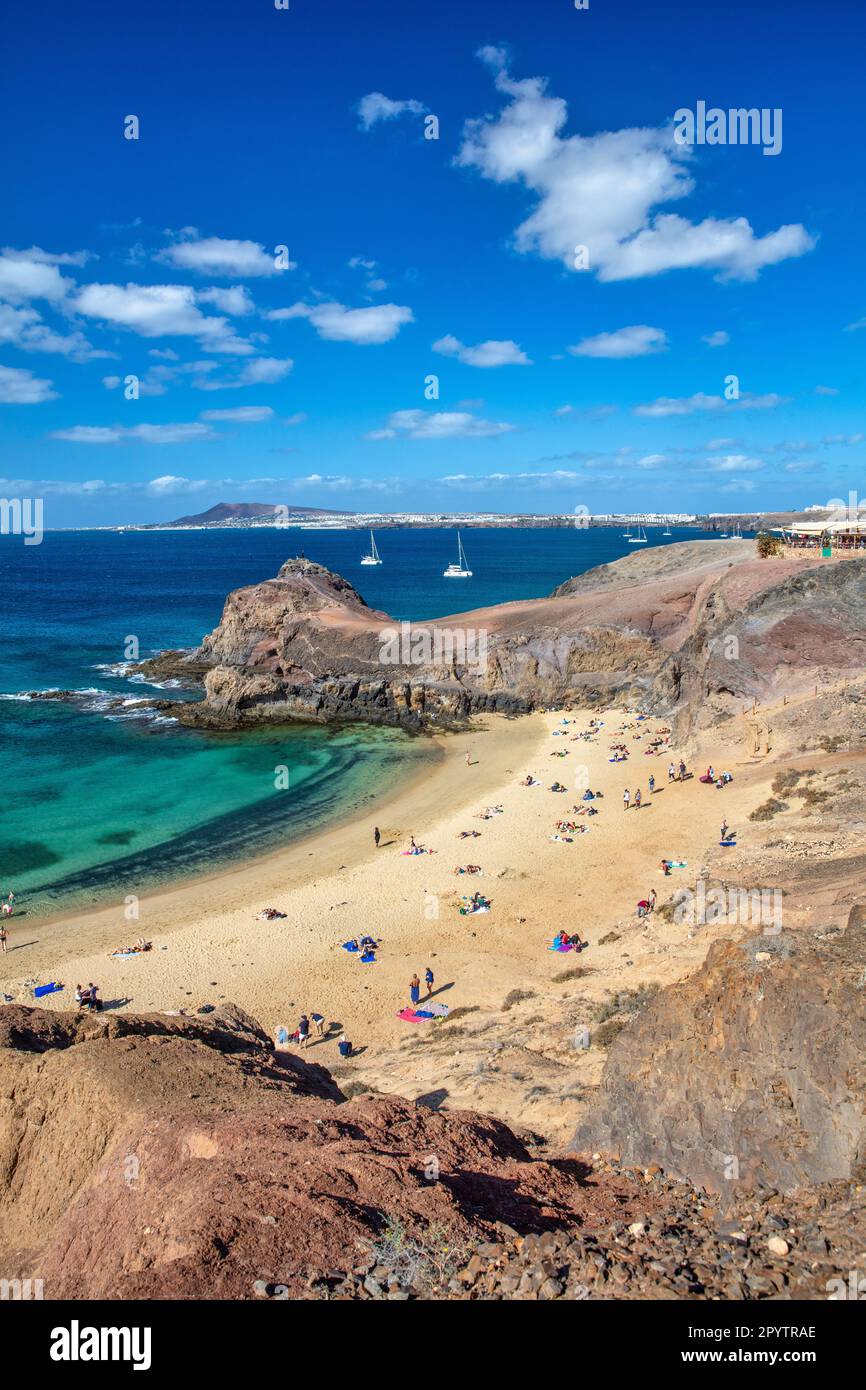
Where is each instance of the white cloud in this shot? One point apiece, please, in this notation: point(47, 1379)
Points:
point(600, 191)
point(147, 434)
point(636, 341)
point(258, 371)
point(25, 329)
point(689, 405)
point(826, 391)
point(234, 299)
point(853, 327)
point(377, 324)
point(20, 387)
point(492, 353)
point(718, 339)
point(443, 424)
point(24, 275)
point(216, 255)
point(736, 463)
point(242, 414)
point(375, 107)
point(155, 311)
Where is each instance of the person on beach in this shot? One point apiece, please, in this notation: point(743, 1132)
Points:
point(723, 832)
point(79, 998)
point(682, 771)
point(412, 844)
point(376, 835)
point(428, 980)
point(4, 936)
point(637, 800)
point(319, 1021)
point(303, 1031)
point(652, 784)
point(672, 774)
point(415, 989)
point(344, 1047)
point(626, 799)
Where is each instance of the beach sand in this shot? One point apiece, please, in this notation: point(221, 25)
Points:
point(208, 945)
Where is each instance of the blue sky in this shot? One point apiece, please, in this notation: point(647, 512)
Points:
point(599, 387)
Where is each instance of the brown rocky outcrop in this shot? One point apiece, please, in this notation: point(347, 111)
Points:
point(752, 1071)
point(680, 630)
point(161, 1156)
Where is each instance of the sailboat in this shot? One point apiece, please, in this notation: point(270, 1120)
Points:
point(736, 534)
point(667, 531)
point(639, 539)
point(373, 558)
point(461, 569)
point(626, 535)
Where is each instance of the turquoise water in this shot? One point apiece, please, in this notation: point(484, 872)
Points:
point(97, 806)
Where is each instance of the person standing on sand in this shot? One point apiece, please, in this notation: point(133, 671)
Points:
point(468, 758)
point(723, 832)
point(303, 1031)
point(672, 773)
point(652, 784)
point(626, 799)
point(682, 771)
point(4, 936)
point(415, 989)
point(319, 1021)
point(637, 800)
point(428, 980)
point(376, 835)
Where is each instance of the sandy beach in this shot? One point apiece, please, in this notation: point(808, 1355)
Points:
point(209, 944)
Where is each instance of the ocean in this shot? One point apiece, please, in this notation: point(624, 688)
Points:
point(99, 804)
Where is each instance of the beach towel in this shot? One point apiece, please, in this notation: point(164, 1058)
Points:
point(124, 955)
point(409, 1016)
point(46, 989)
point(728, 844)
point(368, 959)
point(423, 1013)
point(472, 911)
point(563, 946)
point(437, 1010)
point(350, 946)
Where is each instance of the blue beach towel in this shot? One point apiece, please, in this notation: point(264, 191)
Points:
point(349, 946)
point(46, 989)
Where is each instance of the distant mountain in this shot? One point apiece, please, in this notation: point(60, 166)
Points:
point(242, 511)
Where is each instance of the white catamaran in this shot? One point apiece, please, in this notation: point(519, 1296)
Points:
point(461, 569)
point(374, 557)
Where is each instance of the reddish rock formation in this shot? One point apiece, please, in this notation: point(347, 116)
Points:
point(668, 629)
point(154, 1156)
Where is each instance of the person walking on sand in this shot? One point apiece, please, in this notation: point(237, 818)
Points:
point(428, 980)
point(672, 775)
point(415, 989)
point(682, 770)
point(652, 900)
point(626, 799)
point(376, 835)
point(637, 800)
point(723, 832)
point(468, 758)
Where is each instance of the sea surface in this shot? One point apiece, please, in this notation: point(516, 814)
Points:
point(98, 804)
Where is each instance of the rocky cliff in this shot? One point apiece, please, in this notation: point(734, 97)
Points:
point(671, 628)
point(156, 1156)
point(752, 1071)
